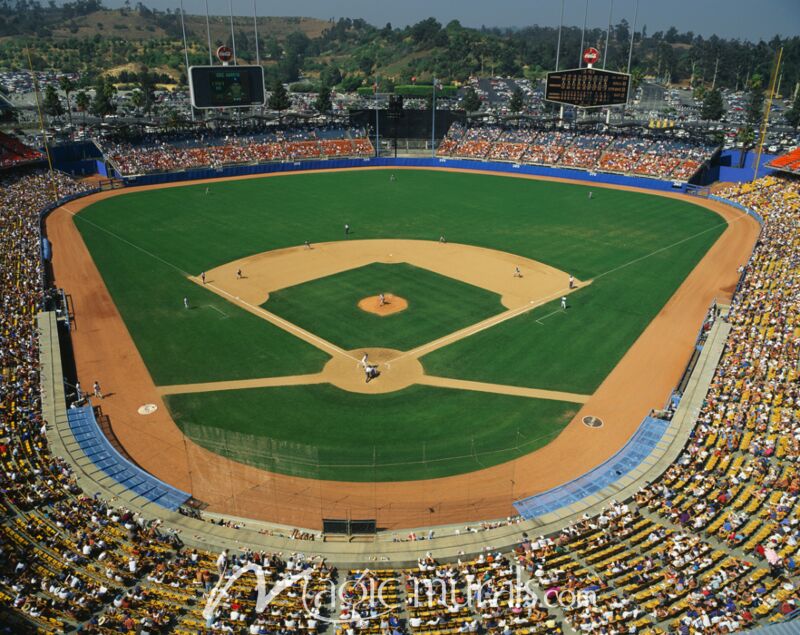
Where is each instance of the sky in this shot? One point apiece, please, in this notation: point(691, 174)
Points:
point(743, 19)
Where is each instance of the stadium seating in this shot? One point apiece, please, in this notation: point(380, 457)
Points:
point(167, 153)
point(663, 157)
point(710, 547)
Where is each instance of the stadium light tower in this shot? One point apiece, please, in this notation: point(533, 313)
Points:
point(608, 30)
point(583, 33)
point(186, 54)
point(233, 35)
point(433, 119)
point(560, 25)
point(377, 119)
point(208, 34)
point(633, 34)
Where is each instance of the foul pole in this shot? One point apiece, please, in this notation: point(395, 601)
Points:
point(767, 109)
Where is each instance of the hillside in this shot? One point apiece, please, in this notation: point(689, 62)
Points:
point(84, 38)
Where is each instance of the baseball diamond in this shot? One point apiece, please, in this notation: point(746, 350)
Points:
point(483, 372)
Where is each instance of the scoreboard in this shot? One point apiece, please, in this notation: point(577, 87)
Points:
point(587, 87)
point(226, 86)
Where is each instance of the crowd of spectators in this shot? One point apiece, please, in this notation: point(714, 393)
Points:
point(710, 547)
point(660, 157)
point(204, 150)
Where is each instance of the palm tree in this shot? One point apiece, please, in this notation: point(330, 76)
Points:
point(67, 86)
point(82, 104)
point(138, 100)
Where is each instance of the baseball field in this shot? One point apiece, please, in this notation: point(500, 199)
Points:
point(480, 366)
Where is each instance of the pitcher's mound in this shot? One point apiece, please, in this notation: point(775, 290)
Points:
point(391, 304)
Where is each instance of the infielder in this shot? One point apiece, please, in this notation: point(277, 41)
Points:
point(571, 281)
point(517, 272)
point(203, 277)
point(382, 299)
point(564, 302)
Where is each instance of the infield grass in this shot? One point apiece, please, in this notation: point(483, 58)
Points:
point(322, 432)
point(437, 306)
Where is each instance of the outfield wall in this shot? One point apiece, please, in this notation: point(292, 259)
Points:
point(460, 164)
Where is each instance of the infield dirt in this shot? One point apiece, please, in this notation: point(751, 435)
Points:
point(104, 350)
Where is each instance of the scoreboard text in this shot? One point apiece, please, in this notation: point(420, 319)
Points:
point(587, 87)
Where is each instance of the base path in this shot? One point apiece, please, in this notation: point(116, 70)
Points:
point(641, 381)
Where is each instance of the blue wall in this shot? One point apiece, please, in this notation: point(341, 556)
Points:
point(730, 172)
point(321, 164)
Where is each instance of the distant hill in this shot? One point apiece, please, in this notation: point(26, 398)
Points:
point(85, 38)
point(137, 25)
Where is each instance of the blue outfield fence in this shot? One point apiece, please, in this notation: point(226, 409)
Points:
point(627, 459)
point(102, 454)
point(461, 164)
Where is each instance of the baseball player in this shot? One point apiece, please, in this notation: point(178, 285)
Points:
point(203, 277)
point(308, 245)
point(382, 299)
point(571, 281)
point(392, 177)
point(517, 272)
point(347, 229)
point(564, 302)
point(206, 191)
point(78, 391)
point(238, 274)
point(591, 195)
point(442, 239)
point(96, 389)
point(364, 360)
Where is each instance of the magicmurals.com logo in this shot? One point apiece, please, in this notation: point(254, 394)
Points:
point(375, 597)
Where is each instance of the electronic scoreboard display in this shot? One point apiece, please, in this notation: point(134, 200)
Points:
point(587, 87)
point(226, 86)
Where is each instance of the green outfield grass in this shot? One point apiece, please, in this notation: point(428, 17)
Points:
point(637, 247)
point(437, 305)
point(323, 432)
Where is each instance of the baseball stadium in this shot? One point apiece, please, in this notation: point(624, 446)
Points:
point(275, 373)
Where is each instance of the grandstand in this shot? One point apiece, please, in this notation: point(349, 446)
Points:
point(709, 547)
point(789, 162)
point(193, 151)
point(649, 156)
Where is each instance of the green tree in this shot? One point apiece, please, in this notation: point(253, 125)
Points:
point(279, 98)
point(746, 136)
point(793, 114)
point(517, 101)
point(82, 103)
point(323, 102)
point(330, 75)
point(52, 103)
point(138, 99)
point(148, 89)
point(102, 104)
point(67, 85)
point(471, 103)
point(755, 101)
point(713, 108)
